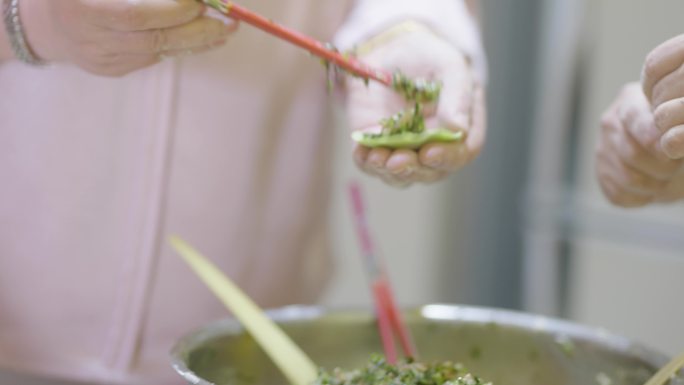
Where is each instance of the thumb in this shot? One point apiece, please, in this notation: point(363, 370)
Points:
point(456, 101)
point(368, 104)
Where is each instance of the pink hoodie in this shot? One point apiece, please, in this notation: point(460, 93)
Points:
point(227, 149)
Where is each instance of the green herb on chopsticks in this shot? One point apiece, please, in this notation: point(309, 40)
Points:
point(416, 90)
point(406, 129)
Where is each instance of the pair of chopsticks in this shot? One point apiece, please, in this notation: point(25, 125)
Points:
point(321, 50)
point(389, 318)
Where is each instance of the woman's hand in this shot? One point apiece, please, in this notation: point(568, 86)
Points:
point(419, 54)
point(632, 167)
point(116, 37)
point(663, 84)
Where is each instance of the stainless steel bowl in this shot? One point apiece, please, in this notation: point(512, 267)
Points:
point(505, 347)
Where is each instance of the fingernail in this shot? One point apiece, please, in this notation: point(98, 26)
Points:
point(435, 158)
point(373, 162)
point(673, 142)
point(405, 172)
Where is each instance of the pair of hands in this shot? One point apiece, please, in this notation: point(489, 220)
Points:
point(640, 157)
point(114, 38)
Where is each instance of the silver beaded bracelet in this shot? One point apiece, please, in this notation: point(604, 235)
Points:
point(15, 33)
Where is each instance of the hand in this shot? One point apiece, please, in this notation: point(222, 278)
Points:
point(115, 37)
point(461, 107)
point(632, 168)
point(663, 84)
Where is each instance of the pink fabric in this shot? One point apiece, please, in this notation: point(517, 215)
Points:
point(227, 149)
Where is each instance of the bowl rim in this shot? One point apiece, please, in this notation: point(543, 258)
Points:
point(560, 328)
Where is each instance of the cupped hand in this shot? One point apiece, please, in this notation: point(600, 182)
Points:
point(461, 107)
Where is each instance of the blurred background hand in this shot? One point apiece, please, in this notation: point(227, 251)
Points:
point(114, 38)
point(663, 84)
point(419, 54)
point(632, 166)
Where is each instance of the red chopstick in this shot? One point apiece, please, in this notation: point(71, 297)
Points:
point(315, 47)
point(389, 317)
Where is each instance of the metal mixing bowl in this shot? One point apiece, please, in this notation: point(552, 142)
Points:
point(505, 347)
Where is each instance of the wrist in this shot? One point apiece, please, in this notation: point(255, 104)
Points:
point(13, 20)
point(5, 48)
point(390, 34)
point(37, 28)
point(451, 19)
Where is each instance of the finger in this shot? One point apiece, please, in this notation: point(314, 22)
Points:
point(141, 15)
point(377, 158)
point(360, 154)
point(674, 191)
point(367, 170)
point(444, 156)
point(663, 60)
point(615, 191)
point(673, 142)
point(610, 122)
point(402, 164)
point(452, 156)
point(456, 100)
point(669, 87)
point(395, 182)
point(631, 152)
point(202, 32)
point(369, 104)
point(633, 113)
point(192, 51)
point(122, 65)
point(669, 114)
point(621, 197)
point(629, 178)
point(429, 175)
point(476, 135)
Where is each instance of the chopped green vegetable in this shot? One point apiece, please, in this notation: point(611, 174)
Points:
point(566, 345)
point(475, 353)
point(217, 4)
point(406, 129)
point(408, 372)
point(416, 90)
point(410, 140)
point(410, 120)
point(603, 379)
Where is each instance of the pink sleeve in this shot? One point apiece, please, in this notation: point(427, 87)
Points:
point(449, 18)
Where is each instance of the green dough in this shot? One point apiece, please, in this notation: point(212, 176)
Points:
point(410, 140)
